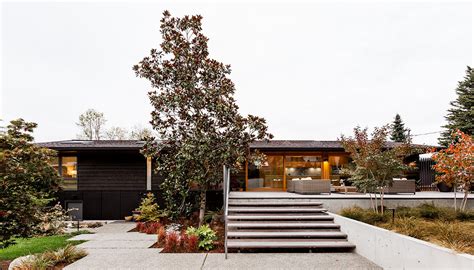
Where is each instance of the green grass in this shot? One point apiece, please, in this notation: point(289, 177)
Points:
point(26, 246)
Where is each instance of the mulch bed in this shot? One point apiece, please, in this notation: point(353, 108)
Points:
point(4, 265)
point(216, 225)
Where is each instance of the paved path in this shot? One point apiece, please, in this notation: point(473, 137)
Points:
point(112, 247)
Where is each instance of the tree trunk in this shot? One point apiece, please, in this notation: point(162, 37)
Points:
point(371, 202)
point(381, 201)
point(455, 203)
point(202, 206)
point(464, 200)
point(376, 204)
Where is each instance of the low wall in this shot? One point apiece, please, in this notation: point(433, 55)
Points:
point(395, 251)
point(335, 205)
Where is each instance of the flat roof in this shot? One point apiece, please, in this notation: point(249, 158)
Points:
point(273, 145)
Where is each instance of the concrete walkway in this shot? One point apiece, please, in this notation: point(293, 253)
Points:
point(112, 247)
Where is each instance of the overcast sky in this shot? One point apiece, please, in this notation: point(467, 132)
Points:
point(313, 71)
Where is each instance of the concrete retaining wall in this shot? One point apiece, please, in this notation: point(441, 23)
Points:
point(395, 251)
point(336, 205)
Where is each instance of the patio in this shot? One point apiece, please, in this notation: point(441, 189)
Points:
point(334, 202)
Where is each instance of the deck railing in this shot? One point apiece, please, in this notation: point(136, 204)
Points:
point(225, 189)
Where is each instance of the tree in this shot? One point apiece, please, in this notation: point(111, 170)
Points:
point(398, 132)
point(375, 163)
point(195, 114)
point(140, 133)
point(91, 123)
point(461, 114)
point(455, 164)
point(27, 181)
point(116, 133)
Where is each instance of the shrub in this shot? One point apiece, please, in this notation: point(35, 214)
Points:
point(152, 227)
point(149, 209)
point(205, 235)
point(454, 235)
point(171, 242)
point(161, 235)
point(429, 211)
point(36, 262)
point(354, 212)
point(65, 255)
point(52, 220)
point(410, 226)
point(465, 215)
point(403, 212)
point(364, 215)
point(191, 244)
point(140, 226)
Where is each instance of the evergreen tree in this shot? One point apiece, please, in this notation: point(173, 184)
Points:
point(398, 131)
point(461, 114)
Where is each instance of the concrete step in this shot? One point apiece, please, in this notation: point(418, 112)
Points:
point(280, 234)
point(280, 216)
point(273, 203)
point(277, 209)
point(281, 224)
point(288, 243)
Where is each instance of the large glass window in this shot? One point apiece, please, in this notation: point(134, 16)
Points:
point(69, 172)
point(67, 169)
point(336, 164)
point(303, 167)
point(267, 176)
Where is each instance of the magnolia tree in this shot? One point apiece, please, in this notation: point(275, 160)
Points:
point(195, 114)
point(455, 165)
point(375, 164)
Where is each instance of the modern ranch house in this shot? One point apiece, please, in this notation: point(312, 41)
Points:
point(106, 179)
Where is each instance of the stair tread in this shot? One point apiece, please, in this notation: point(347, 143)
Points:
point(237, 202)
point(298, 224)
point(285, 234)
point(280, 216)
point(276, 209)
point(287, 243)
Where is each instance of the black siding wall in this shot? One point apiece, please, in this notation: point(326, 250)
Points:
point(111, 171)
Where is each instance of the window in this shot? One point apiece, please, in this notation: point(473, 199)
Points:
point(67, 168)
point(303, 167)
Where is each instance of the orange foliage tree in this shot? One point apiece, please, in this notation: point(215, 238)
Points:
point(455, 165)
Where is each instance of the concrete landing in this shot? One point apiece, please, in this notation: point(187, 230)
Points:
point(151, 259)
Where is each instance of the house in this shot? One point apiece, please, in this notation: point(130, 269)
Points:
point(106, 179)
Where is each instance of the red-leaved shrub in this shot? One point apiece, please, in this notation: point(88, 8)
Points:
point(152, 227)
point(139, 227)
point(191, 244)
point(171, 242)
point(161, 235)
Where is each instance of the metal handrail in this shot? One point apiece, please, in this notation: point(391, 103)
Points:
point(225, 190)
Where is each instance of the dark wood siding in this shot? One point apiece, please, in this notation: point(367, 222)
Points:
point(111, 171)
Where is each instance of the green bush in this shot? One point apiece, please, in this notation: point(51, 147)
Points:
point(205, 234)
point(465, 215)
point(149, 209)
point(354, 212)
point(365, 215)
point(429, 211)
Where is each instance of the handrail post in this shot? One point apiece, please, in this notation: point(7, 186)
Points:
point(226, 204)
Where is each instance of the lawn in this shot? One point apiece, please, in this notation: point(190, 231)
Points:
point(441, 226)
point(26, 246)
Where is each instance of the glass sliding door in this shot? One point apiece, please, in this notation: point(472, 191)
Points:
point(267, 177)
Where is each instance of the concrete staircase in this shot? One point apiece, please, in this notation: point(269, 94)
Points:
point(277, 223)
